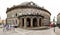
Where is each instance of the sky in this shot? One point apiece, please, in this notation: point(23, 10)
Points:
point(52, 6)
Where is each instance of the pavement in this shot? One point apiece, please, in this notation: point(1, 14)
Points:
point(57, 31)
point(19, 31)
point(38, 32)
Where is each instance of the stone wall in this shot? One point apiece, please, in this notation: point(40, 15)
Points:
point(27, 11)
point(58, 19)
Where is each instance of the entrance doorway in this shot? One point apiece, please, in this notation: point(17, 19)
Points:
point(34, 22)
point(28, 22)
point(22, 22)
point(40, 22)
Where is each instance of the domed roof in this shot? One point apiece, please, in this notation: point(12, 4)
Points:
point(27, 5)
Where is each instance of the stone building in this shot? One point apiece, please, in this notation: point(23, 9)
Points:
point(28, 14)
point(58, 18)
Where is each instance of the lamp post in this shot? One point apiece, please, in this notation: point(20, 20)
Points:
point(54, 23)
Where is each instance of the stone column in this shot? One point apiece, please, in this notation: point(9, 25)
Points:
point(38, 22)
point(31, 22)
point(17, 22)
point(25, 23)
point(20, 22)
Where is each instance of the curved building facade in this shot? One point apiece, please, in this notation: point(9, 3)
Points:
point(28, 15)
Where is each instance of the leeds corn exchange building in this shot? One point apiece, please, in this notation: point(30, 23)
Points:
point(27, 15)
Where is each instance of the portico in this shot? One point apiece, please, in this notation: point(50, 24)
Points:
point(30, 21)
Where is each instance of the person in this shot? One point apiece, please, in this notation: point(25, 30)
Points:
point(4, 27)
point(7, 27)
point(12, 28)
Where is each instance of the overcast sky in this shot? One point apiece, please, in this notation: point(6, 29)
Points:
point(51, 5)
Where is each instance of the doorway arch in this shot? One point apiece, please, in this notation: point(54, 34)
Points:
point(40, 22)
point(28, 22)
point(22, 22)
point(34, 22)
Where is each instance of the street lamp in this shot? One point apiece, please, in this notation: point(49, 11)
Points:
point(54, 23)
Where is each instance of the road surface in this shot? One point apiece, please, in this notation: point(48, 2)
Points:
point(19, 31)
